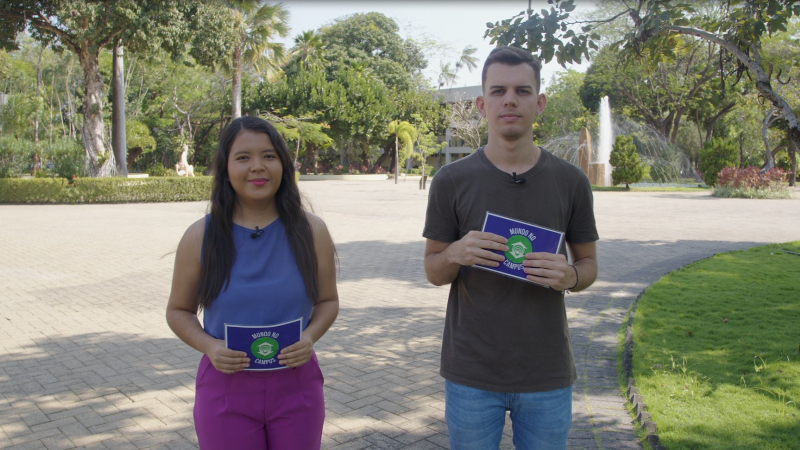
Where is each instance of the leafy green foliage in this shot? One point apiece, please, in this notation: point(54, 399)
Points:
point(628, 167)
point(372, 39)
point(105, 190)
point(564, 113)
point(139, 136)
point(16, 156)
point(85, 27)
point(19, 114)
point(68, 158)
point(546, 34)
point(308, 52)
point(715, 156)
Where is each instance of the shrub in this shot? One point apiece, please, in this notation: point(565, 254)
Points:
point(158, 170)
point(715, 156)
point(750, 182)
point(104, 190)
point(16, 156)
point(68, 159)
point(628, 167)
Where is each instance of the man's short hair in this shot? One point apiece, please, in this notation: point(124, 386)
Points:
point(512, 56)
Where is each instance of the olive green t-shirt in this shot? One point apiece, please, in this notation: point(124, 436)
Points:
point(503, 334)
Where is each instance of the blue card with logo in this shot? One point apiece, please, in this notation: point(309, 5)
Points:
point(523, 238)
point(263, 343)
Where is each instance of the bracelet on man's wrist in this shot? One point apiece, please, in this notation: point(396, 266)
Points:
point(577, 279)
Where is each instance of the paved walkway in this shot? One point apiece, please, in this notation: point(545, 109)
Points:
point(87, 360)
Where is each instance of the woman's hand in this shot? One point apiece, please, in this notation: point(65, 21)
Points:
point(298, 353)
point(226, 360)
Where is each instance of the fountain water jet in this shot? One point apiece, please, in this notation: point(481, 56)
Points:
point(606, 141)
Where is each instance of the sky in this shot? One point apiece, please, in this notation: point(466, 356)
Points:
point(455, 24)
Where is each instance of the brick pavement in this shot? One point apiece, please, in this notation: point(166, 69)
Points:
point(87, 361)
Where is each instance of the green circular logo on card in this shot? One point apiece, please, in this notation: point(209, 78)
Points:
point(265, 348)
point(518, 247)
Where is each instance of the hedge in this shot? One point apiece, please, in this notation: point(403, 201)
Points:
point(104, 190)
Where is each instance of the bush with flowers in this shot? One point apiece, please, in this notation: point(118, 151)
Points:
point(750, 182)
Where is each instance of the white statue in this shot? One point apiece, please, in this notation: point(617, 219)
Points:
point(183, 168)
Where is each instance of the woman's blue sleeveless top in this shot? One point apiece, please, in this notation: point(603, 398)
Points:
point(265, 287)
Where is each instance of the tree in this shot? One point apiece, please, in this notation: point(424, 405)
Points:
point(139, 140)
point(465, 60)
point(628, 167)
point(87, 26)
point(255, 25)
point(465, 122)
point(565, 113)
point(308, 52)
point(446, 75)
point(373, 38)
point(404, 133)
point(427, 143)
point(715, 156)
point(661, 93)
point(653, 25)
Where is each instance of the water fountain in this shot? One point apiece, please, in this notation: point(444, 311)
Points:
point(667, 165)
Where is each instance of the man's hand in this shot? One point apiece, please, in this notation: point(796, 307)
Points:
point(550, 269)
point(226, 360)
point(474, 248)
point(298, 353)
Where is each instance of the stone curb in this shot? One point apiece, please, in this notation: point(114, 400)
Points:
point(635, 399)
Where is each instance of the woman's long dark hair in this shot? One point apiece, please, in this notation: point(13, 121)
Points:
point(218, 249)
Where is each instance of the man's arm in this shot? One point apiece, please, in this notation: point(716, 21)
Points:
point(554, 271)
point(443, 259)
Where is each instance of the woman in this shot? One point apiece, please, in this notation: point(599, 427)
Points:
point(257, 259)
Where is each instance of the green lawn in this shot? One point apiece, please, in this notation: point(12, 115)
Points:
point(717, 351)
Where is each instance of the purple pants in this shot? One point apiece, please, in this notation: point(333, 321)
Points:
point(275, 410)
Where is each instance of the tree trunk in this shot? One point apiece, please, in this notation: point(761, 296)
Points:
point(741, 150)
point(135, 152)
point(310, 161)
point(38, 94)
point(768, 121)
point(37, 160)
point(387, 151)
point(118, 136)
point(713, 121)
point(236, 83)
point(396, 159)
point(297, 151)
point(92, 131)
point(793, 159)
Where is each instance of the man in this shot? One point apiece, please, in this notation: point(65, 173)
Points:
point(506, 345)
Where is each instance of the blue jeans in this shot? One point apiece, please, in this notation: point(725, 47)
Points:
point(475, 418)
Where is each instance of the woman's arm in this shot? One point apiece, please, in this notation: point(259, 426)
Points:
point(183, 304)
point(326, 307)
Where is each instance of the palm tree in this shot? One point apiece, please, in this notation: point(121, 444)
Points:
point(309, 50)
point(403, 132)
point(445, 75)
point(256, 24)
point(465, 60)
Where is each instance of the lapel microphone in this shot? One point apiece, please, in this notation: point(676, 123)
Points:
point(518, 180)
point(257, 233)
